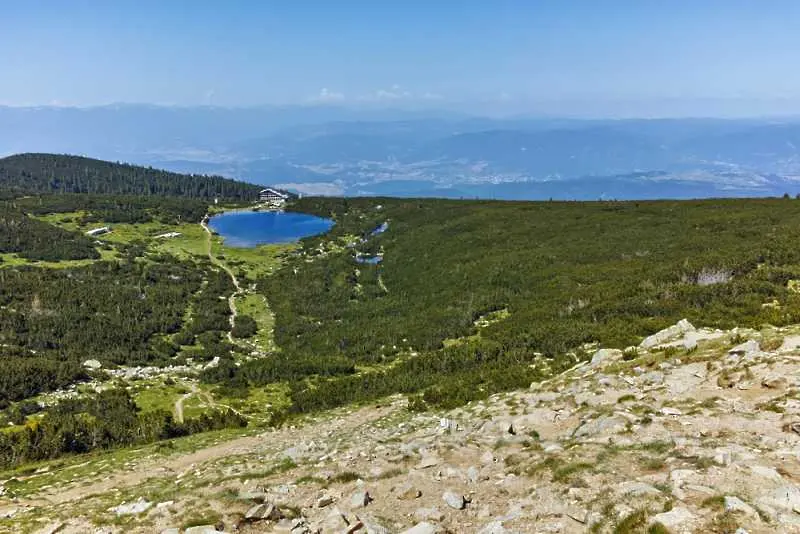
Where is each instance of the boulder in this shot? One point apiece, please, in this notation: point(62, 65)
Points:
point(784, 497)
point(774, 382)
point(674, 518)
point(677, 330)
point(263, 511)
point(454, 500)
point(604, 356)
point(748, 348)
point(92, 364)
point(324, 501)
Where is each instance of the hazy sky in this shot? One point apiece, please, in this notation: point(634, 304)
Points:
point(433, 52)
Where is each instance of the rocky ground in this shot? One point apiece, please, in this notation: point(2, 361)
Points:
point(692, 431)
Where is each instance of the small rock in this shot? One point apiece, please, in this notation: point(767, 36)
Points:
point(472, 474)
point(360, 499)
point(454, 500)
point(137, 507)
point(92, 364)
point(636, 489)
point(747, 348)
point(263, 511)
point(171, 531)
point(604, 356)
point(735, 504)
point(422, 528)
point(427, 462)
point(202, 529)
point(428, 514)
point(408, 492)
point(666, 410)
point(774, 382)
point(674, 518)
point(324, 501)
point(495, 527)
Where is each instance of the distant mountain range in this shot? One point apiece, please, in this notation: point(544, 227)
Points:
point(332, 150)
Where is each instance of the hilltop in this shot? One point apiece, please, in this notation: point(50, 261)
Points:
point(26, 174)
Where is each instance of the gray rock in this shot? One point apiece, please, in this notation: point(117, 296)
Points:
point(675, 517)
point(604, 356)
point(448, 425)
point(784, 497)
point(472, 474)
point(360, 499)
point(324, 501)
point(428, 461)
point(495, 527)
point(137, 507)
point(373, 526)
point(454, 500)
point(263, 511)
point(203, 529)
point(677, 330)
point(92, 364)
point(171, 531)
point(254, 496)
point(422, 528)
point(735, 504)
point(747, 348)
point(636, 488)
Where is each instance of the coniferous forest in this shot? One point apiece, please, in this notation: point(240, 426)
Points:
point(455, 300)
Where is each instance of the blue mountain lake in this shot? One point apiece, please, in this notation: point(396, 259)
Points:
point(252, 228)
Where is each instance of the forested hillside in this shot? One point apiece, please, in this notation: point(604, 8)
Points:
point(50, 173)
point(468, 293)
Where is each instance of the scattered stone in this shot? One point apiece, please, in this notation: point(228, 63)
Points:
point(448, 425)
point(784, 497)
point(674, 518)
point(774, 382)
point(454, 500)
point(604, 356)
point(324, 501)
point(677, 330)
point(473, 474)
point(422, 528)
point(427, 462)
point(495, 527)
point(203, 529)
point(735, 504)
point(360, 499)
point(637, 489)
point(137, 507)
point(263, 511)
point(408, 492)
point(748, 348)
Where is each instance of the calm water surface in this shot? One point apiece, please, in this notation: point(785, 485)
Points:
point(252, 228)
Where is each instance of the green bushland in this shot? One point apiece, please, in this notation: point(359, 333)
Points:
point(51, 173)
point(565, 273)
point(106, 420)
point(36, 240)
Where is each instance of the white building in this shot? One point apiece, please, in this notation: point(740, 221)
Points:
point(272, 196)
point(98, 231)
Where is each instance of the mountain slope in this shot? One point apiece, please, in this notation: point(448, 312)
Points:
point(51, 173)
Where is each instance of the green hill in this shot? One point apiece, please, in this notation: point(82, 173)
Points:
point(50, 173)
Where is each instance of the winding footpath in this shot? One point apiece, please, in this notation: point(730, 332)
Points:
point(238, 291)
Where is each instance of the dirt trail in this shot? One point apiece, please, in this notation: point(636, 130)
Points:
point(239, 290)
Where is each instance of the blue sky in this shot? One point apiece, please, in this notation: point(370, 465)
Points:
point(518, 54)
